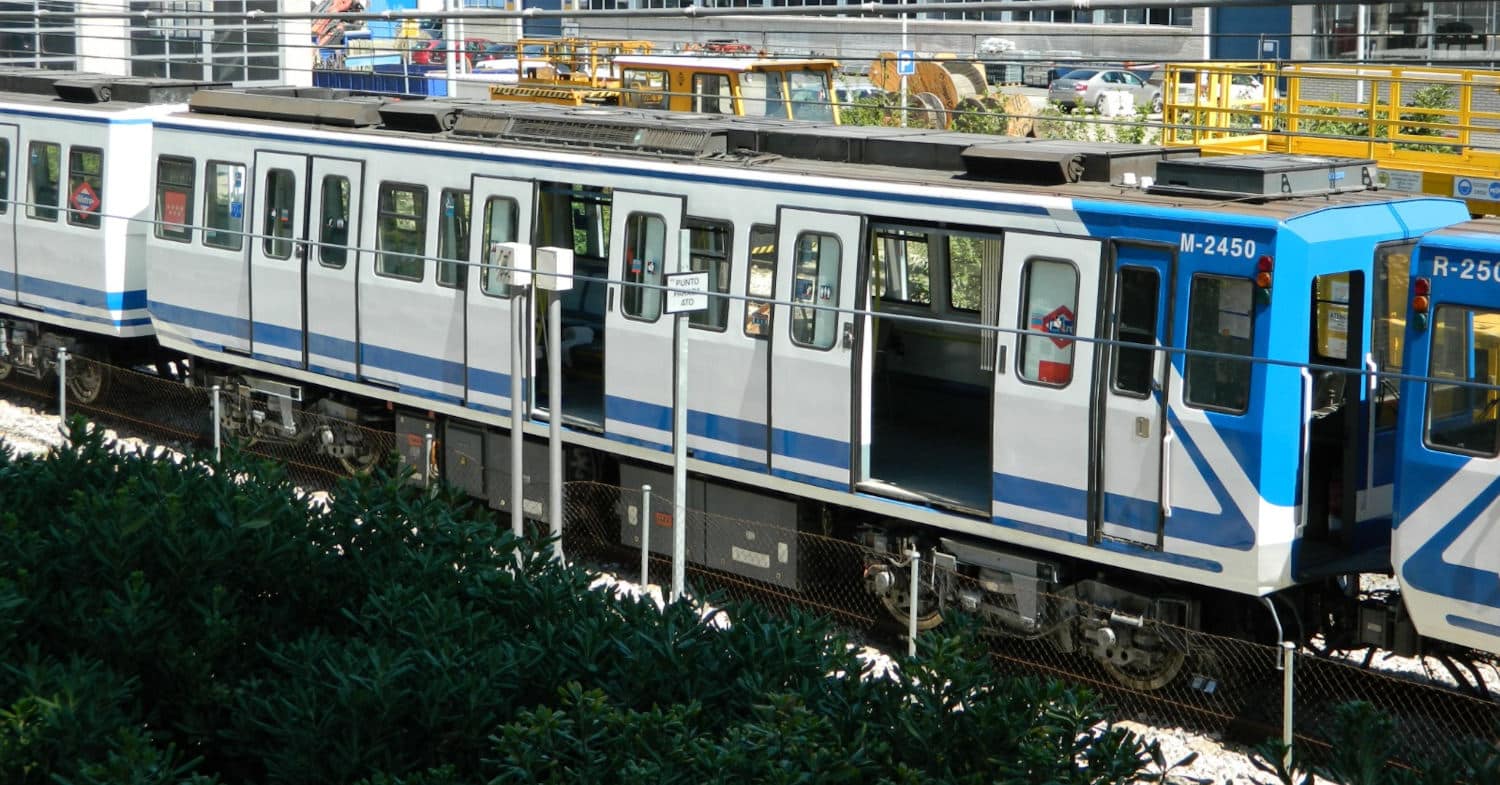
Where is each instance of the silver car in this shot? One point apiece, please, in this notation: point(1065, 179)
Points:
point(1087, 86)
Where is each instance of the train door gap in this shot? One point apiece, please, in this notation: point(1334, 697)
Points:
point(576, 217)
point(1337, 431)
point(933, 378)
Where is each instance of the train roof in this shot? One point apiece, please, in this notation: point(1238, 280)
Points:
point(1271, 187)
point(104, 92)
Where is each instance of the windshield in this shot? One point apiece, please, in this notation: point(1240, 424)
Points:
point(809, 91)
point(760, 92)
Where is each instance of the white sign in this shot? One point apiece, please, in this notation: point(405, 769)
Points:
point(1397, 180)
point(687, 292)
point(554, 269)
point(514, 261)
point(906, 62)
point(1476, 188)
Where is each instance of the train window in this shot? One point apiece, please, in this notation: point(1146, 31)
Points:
point(1137, 296)
point(966, 259)
point(224, 205)
point(645, 251)
point(710, 253)
point(333, 234)
point(44, 165)
point(1389, 298)
point(85, 186)
point(281, 204)
point(500, 217)
point(1465, 348)
point(1051, 307)
point(4, 176)
point(401, 236)
point(809, 94)
point(645, 89)
point(903, 269)
point(815, 289)
point(711, 94)
point(453, 239)
point(760, 280)
point(1220, 319)
point(174, 198)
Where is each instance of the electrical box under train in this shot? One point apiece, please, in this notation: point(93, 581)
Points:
point(728, 529)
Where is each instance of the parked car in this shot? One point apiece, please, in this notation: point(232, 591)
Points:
point(435, 51)
point(848, 93)
point(1087, 86)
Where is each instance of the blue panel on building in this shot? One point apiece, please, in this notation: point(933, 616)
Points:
point(1246, 33)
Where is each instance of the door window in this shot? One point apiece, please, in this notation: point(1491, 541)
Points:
point(453, 239)
point(401, 239)
point(645, 252)
point(902, 266)
point(1051, 307)
point(4, 176)
point(1137, 301)
point(711, 94)
point(500, 215)
point(815, 290)
point(281, 200)
point(333, 235)
point(224, 206)
point(760, 280)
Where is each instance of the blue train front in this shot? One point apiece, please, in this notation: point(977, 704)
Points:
point(1446, 548)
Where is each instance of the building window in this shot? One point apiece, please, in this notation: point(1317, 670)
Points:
point(239, 51)
point(39, 41)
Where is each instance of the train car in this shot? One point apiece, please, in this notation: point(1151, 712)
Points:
point(74, 195)
point(1444, 549)
point(1006, 353)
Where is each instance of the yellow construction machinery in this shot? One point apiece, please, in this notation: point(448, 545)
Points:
point(1431, 130)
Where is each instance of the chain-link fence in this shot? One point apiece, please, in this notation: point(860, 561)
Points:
point(1165, 673)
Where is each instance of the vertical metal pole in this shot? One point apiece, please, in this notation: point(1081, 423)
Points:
point(218, 434)
point(517, 406)
point(426, 460)
point(679, 458)
point(911, 622)
point(451, 44)
point(554, 420)
point(898, 65)
point(62, 387)
point(645, 536)
point(1288, 658)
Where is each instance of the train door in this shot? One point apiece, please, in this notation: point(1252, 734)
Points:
point(638, 386)
point(333, 266)
point(278, 250)
point(1042, 444)
point(8, 280)
point(502, 210)
point(812, 354)
point(1133, 425)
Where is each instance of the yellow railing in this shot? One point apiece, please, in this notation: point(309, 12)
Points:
point(1431, 130)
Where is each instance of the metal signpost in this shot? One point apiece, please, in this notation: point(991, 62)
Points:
point(554, 273)
point(686, 292)
point(514, 261)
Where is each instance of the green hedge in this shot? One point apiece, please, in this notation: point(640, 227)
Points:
point(177, 621)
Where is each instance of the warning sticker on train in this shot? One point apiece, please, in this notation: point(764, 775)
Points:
point(84, 199)
point(1059, 322)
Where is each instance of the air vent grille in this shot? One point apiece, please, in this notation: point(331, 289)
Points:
point(1264, 177)
point(602, 132)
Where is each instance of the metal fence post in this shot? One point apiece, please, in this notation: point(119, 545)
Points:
point(911, 622)
point(645, 536)
point(1288, 659)
point(427, 460)
point(62, 387)
point(218, 435)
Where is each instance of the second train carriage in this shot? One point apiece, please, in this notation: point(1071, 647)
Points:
point(75, 190)
point(1137, 425)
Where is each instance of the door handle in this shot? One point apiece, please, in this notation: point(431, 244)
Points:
point(848, 335)
point(1167, 439)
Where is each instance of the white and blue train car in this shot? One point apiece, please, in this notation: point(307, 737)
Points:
point(75, 195)
point(1150, 399)
point(1446, 550)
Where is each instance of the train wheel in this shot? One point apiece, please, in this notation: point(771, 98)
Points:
point(896, 596)
point(87, 380)
point(360, 456)
point(1144, 669)
point(234, 412)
